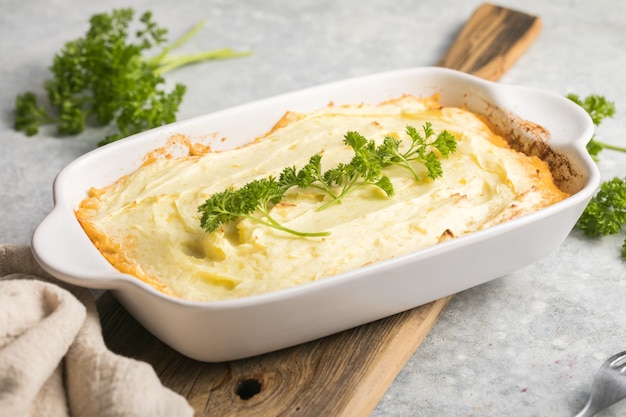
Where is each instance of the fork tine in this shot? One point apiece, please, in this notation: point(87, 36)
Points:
point(618, 360)
point(608, 387)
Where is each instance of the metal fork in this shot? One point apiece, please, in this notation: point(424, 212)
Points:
point(609, 386)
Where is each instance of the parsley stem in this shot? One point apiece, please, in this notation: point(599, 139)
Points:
point(325, 189)
point(271, 222)
point(155, 61)
point(404, 162)
point(611, 147)
point(163, 62)
point(188, 35)
point(173, 62)
point(336, 198)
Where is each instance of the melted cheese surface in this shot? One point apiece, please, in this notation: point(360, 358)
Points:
point(147, 223)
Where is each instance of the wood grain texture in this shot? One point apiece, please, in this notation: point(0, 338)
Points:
point(492, 40)
point(345, 374)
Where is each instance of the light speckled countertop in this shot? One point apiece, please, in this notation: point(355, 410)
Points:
point(527, 344)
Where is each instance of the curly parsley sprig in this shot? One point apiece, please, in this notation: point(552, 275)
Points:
point(104, 77)
point(422, 150)
point(606, 212)
point(255, 199)
point(364, 169)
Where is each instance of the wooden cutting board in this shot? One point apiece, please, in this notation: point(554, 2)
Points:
point(345, 374)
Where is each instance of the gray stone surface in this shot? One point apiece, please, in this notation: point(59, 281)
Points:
point(527, 344)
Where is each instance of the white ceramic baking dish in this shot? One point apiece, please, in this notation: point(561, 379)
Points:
point(232, 329)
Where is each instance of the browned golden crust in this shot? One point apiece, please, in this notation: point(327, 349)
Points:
point(533, 140)
point(114, 253)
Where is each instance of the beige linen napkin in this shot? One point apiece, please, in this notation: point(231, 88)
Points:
point(53, 360)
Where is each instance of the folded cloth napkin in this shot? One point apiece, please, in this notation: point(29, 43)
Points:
point(53, 360)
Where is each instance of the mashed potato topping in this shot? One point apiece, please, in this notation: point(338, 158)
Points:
point(147, 223)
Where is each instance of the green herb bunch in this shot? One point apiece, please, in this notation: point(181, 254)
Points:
point(255, 199)
point(105, 77)
point(606, 212)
